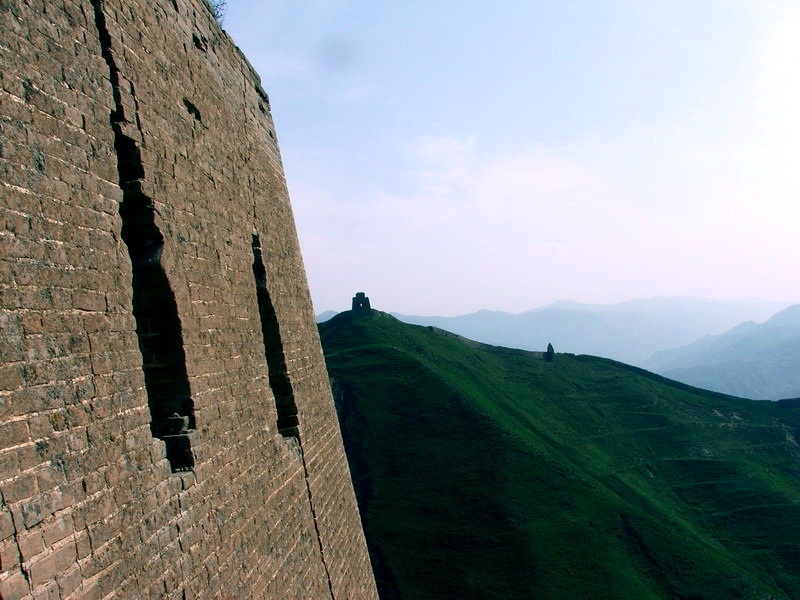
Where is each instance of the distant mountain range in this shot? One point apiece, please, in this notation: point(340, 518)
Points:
point(492, 473)
point(749, 360)
point(629, 331)
point(324, 316)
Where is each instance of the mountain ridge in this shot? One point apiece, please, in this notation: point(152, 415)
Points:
point(630, 331)
point(751, 360)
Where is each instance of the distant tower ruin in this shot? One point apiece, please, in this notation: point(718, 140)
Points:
point(361, 306)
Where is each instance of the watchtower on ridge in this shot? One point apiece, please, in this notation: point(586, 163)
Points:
point(361, 307)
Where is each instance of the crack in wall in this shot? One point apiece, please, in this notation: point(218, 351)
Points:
point(314, 518)
point(281, 385)
point(278, 372)
point(22, 568)
point(158, 327)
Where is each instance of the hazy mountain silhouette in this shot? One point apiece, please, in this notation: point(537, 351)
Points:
point(322, 317)
point(750, 360)
point(629, 331)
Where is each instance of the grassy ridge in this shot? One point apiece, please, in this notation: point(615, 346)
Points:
point(485, 472)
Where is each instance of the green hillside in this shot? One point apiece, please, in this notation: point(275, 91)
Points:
point(485, 472)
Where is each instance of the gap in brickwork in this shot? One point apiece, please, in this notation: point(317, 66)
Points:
point(192, 109)
point(158, 326)
point(199, 43)
point(288, 420)
point(164, 362)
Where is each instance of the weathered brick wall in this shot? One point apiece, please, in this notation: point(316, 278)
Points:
point(92, 92)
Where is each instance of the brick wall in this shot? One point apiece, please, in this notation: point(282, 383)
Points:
point(146, 106)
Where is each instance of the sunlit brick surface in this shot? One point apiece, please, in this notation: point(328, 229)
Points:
point(90, 506)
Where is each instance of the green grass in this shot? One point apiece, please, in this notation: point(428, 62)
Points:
point(484, 472)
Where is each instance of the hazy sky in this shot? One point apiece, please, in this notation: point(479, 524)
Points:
point(449, 156)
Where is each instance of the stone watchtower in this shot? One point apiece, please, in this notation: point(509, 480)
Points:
point(361, 307)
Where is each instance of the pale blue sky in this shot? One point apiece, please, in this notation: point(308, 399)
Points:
point(450, 156)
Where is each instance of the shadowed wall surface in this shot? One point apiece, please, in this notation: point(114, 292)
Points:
point(140, 455)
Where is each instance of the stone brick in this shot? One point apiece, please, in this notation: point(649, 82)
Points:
point(49, 591)
point(14, 432)
point(30, 544)
point(9, 463)
point(69, 581)
point(9, 554)
point(10, 377)
point(20, 488)
point(54, 562)
point(57, 530)
point(6, 526)
point(15, 587)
